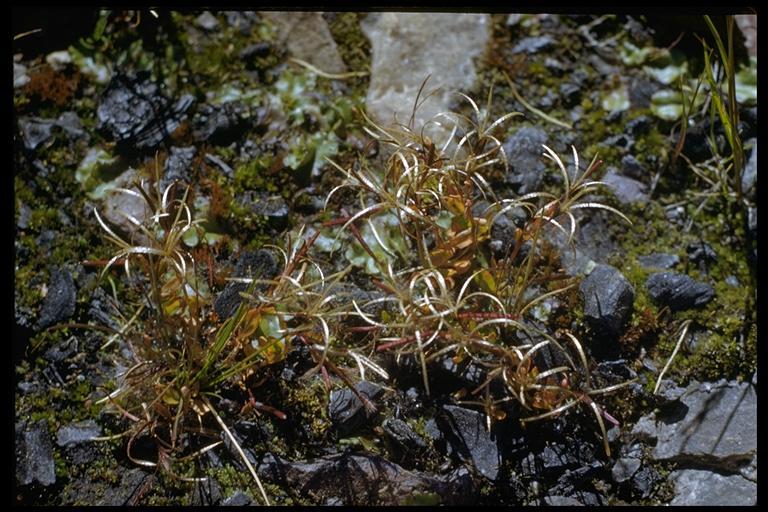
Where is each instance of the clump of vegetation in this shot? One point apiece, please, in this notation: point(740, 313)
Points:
point(446, 294)
point(455, 298)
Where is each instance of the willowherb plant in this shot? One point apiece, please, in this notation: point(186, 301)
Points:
point(456, 299)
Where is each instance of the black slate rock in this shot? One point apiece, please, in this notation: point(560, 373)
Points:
point(34, 454)
point(135, 113)
point(347, 411)
point(259, 264)
point(59, 303)
point(639, 125)
point(178, 166)
point(608, 299)
point(523, 151)
point(222, 124)
point(678, 291)
point(466, 436)
point(701, 252)
point(633, 168)
point(402, 439)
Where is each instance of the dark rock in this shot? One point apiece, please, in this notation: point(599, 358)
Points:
point(562, 501)
point(524, 151)
point(76, 433)
point(625, 468)
point(241, 20)
point(603, 68)
point(749, 177)
point(238, 499)
point(130, 489)
point(34, 454)
point(207, 21)
point(260, 264)
point(362, 479)
point(678, 291)
point(402, 437)
point(467, 437)
point(639, 125)
point(45, 239)
point(103, 310)
point(347, 411)
point(27, 388)
point(547, 101)
point(252, 52)
point(222, 124)
point(625, 189)
point(621, 141)
point(578, 484)
point(701, 252)
point(640, 92)
point(615, 370)
point(273, 208)
point(570, 93)
point(533, 44)
point(593, 242)
point(641, 34)
point(218, 162)
point(658, 260)
point(178, 166)
point(705, 488)
point(35, 131)
point(752, 221)
point(553, 459)
point(71, 125)
point(748, 122)
point(614, 116)
point(608, 299)
point(633, 168)
point(645, 480)
point(206, 493)
point(25, 215)
point(675, 215)
point(696, 145)
point(61, 350)
point(466, 371)
point(59, 303)
point(711, 425)
point(554, 66)
point(135, 114)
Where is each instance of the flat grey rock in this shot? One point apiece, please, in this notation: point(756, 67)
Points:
point(408, 47)
point(658, 260)
point(713, 425)
point(626, 190)
point(307, 37)
point(76, 433)
point(700, 487)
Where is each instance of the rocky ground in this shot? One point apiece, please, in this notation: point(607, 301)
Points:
point(218, 102)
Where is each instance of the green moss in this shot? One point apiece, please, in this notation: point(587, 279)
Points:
point(353, 47)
